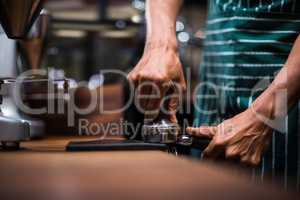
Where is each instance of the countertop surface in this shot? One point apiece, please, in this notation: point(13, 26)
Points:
point(44, 170)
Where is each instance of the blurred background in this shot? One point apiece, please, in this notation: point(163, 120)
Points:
point(86, 36)
point(89, 35)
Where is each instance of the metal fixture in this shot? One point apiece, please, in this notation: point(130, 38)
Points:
point(165, 132)
point(18, 16)
point(162, 131)
point(32, 47)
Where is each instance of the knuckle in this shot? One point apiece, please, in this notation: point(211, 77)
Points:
point(255, 161)
point(230, 154)
point(150, 77)
point(143, 75)
point(183, 86)
point(218, 143)
point(160, 78)
point(132, 76)
point(129, 76)
point(206, 154)
point(246, 161)
point(250, 162)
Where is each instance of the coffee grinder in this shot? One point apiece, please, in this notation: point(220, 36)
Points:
point(16, 18)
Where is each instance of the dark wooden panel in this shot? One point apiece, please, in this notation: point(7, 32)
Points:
point(45, 171)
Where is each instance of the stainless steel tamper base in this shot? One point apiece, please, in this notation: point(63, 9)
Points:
point(162, 131)
point(185, 140)
point(165, 132)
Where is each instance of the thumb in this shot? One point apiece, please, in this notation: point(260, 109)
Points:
point(202, 131)
point(172, 109)
point(173, 102)
point(170, 102)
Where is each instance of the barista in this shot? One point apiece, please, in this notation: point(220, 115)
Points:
point(246, 42)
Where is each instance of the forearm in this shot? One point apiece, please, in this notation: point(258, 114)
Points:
point(161, 22)
point(273, 101)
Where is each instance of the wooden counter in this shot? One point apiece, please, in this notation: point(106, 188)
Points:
point(45, 171)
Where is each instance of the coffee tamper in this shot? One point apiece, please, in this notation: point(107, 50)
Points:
point(165, 132)
point(161, 131)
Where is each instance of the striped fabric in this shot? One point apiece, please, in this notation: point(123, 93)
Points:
point(247, 42)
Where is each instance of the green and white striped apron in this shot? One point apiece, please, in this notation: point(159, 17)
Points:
point(248, 41)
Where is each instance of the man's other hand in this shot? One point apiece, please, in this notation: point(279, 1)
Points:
point(158, 72)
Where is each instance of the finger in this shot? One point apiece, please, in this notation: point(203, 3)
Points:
point(134, 74)
point(202, 131)
point(251, 160)
point(258, 152)
point(246, 160)
point(253, 155)
point(133, 79)
point(183, 84)
point(154, 103)
point(172, 108)
point(232, 152)
point(143, 92)
point(172, 101)
point(245, 146)
point(255, 159)
point(213, 150)
point(258, 147)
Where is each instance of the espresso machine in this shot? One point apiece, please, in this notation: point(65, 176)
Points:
point(17, 18)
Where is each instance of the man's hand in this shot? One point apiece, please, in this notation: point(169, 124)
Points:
point(158, 72)
point(245, 136)
point(242, 137)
